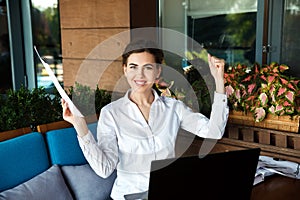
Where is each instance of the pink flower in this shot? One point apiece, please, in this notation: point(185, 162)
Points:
point(260, 114)
point(281, 91)
point(282, 68)
point(270, 79)
point(284, 81)
point(229, 90)
point(263, 99)
point(286, 103)
point(251, 87)
point(290, 96)
point(237, 94)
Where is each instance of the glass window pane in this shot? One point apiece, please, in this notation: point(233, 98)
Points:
point(226, 28)
point(46, 37)
point(290, 46)
point(5, 61)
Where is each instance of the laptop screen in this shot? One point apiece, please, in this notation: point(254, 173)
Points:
point(227, 175)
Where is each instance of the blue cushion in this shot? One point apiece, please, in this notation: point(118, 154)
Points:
point(64, 148)
point(21, 159)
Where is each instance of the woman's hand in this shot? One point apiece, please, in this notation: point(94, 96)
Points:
point(67, 114)
point(79, 123)
point(217, 66)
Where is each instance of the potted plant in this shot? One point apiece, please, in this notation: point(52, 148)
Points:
point(23, 109)
point(89, 101)
point(26, 110)
point(263, 92)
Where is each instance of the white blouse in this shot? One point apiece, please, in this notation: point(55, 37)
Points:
point(126, 142)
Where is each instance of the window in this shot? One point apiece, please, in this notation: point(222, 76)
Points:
point(25, 24)
point(46, 37)
point(5, 60)
point(227, 29)
point(290, 46)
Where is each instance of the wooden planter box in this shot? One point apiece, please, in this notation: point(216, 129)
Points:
point(277, 137)
point(14, 133)
point(43, 128)
point(281, 123)
point(278, 144)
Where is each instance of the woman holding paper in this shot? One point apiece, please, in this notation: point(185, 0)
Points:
point(142, 126)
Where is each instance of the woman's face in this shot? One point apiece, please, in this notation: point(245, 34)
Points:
point(141, 71)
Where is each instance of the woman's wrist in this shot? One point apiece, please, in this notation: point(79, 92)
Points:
point(220, 87)
point(80, 126)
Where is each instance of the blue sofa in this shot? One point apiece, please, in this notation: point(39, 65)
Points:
point(49, 166)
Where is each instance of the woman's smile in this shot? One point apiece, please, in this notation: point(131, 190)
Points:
point(140, 82)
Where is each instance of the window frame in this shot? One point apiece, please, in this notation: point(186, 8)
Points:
point(21, 49)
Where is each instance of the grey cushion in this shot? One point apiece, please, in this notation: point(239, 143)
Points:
point(48, 185)
point(86, 184)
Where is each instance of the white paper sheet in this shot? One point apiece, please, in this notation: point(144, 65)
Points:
point(60, 90)
point(285, 168)
point(261, 174)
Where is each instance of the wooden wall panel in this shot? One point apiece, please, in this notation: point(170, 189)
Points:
point(85, 25)
point(107, 74)
point(94, 13)
point(70, 68)
point(78, 43)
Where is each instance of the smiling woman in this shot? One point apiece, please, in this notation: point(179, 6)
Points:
point(142, 126)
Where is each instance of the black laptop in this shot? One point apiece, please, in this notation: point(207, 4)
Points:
point(227, 175)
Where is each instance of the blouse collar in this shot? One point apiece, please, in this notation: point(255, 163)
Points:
point(127, 99)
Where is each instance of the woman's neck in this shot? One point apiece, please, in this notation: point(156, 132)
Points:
point(142, 99)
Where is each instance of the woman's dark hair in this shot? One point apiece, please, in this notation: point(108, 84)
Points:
point(139, 46)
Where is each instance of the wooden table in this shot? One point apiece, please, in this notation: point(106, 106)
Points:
point(277, 188)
